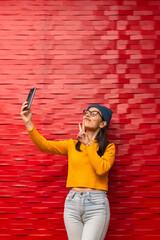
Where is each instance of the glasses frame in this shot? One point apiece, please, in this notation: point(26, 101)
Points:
point(90, 112)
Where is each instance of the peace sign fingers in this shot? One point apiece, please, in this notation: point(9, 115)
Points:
point(83, 126)
point(80, 128)
point(82, 135)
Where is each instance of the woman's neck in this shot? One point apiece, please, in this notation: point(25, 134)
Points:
point(92, 134)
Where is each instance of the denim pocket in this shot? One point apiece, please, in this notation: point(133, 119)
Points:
point(70, 197)
point(99, 200)
point(67, 202)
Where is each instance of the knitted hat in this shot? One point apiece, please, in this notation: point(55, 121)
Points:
point(106, 112)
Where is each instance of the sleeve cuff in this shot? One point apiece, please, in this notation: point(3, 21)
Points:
point(30, 131)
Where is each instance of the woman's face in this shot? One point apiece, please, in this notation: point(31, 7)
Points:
point(93, 119)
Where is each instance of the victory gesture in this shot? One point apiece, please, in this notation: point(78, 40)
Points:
point(82, 135)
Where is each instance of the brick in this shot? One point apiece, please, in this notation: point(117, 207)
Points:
point(79, 53)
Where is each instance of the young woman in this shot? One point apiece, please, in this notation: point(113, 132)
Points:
point(90, 157)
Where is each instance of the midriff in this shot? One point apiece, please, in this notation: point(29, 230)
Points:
point(81, 189)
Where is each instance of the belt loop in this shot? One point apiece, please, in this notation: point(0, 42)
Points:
point(88, 196)
point(73, 194)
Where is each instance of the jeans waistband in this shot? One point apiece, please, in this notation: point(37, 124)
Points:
point(87, 193)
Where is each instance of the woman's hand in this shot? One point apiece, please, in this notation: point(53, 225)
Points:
point(82, 135)
point(27, 116)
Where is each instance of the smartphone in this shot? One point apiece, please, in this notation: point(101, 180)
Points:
point(30, 98)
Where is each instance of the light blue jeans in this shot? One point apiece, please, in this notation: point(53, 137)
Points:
point(86, 215)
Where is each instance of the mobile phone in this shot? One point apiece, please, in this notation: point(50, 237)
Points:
point(30, 98)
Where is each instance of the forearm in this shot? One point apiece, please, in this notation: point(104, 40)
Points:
point(104, 163)
point(44, 145)
point(38, 140)
point(29, 126)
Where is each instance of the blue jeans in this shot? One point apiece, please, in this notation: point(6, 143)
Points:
point(86, 215)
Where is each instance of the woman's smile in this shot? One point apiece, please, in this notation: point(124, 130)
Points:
point(87, 119)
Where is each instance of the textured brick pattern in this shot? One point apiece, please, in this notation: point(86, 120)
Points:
point(76, 53)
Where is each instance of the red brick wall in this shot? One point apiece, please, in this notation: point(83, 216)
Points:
point(77, 53)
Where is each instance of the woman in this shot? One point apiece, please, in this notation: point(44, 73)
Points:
point(90, 157)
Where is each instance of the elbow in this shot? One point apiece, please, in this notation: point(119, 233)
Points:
point(41, 149)
point(44, 150)
point(101, 172)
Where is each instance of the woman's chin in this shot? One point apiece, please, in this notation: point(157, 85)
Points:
point(89, 128)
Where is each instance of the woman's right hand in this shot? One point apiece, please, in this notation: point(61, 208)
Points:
point(82, 135)
point(26, 116)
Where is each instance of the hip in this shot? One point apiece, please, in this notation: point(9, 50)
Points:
point(87, 200)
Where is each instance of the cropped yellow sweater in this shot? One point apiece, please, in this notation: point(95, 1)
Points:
point(85, 168)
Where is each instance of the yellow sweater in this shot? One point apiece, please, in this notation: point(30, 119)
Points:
point(85, 168)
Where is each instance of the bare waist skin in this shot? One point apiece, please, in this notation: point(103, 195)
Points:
point(81, 189)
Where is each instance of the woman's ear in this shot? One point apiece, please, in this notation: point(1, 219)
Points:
point(103, 124)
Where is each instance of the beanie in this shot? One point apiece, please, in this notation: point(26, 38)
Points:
point(106, 112)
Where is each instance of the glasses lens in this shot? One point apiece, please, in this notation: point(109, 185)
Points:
point(85, 111)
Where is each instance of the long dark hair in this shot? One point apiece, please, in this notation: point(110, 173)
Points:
point(101, 139)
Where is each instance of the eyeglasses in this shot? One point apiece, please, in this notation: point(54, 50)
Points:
point(92, 113)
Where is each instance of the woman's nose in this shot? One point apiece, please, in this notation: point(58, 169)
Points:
point(88, 113)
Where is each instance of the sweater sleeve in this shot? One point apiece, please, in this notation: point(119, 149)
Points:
point(104, 163)
point(44, 145)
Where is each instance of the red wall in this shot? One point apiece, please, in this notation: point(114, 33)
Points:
point(76, 53)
